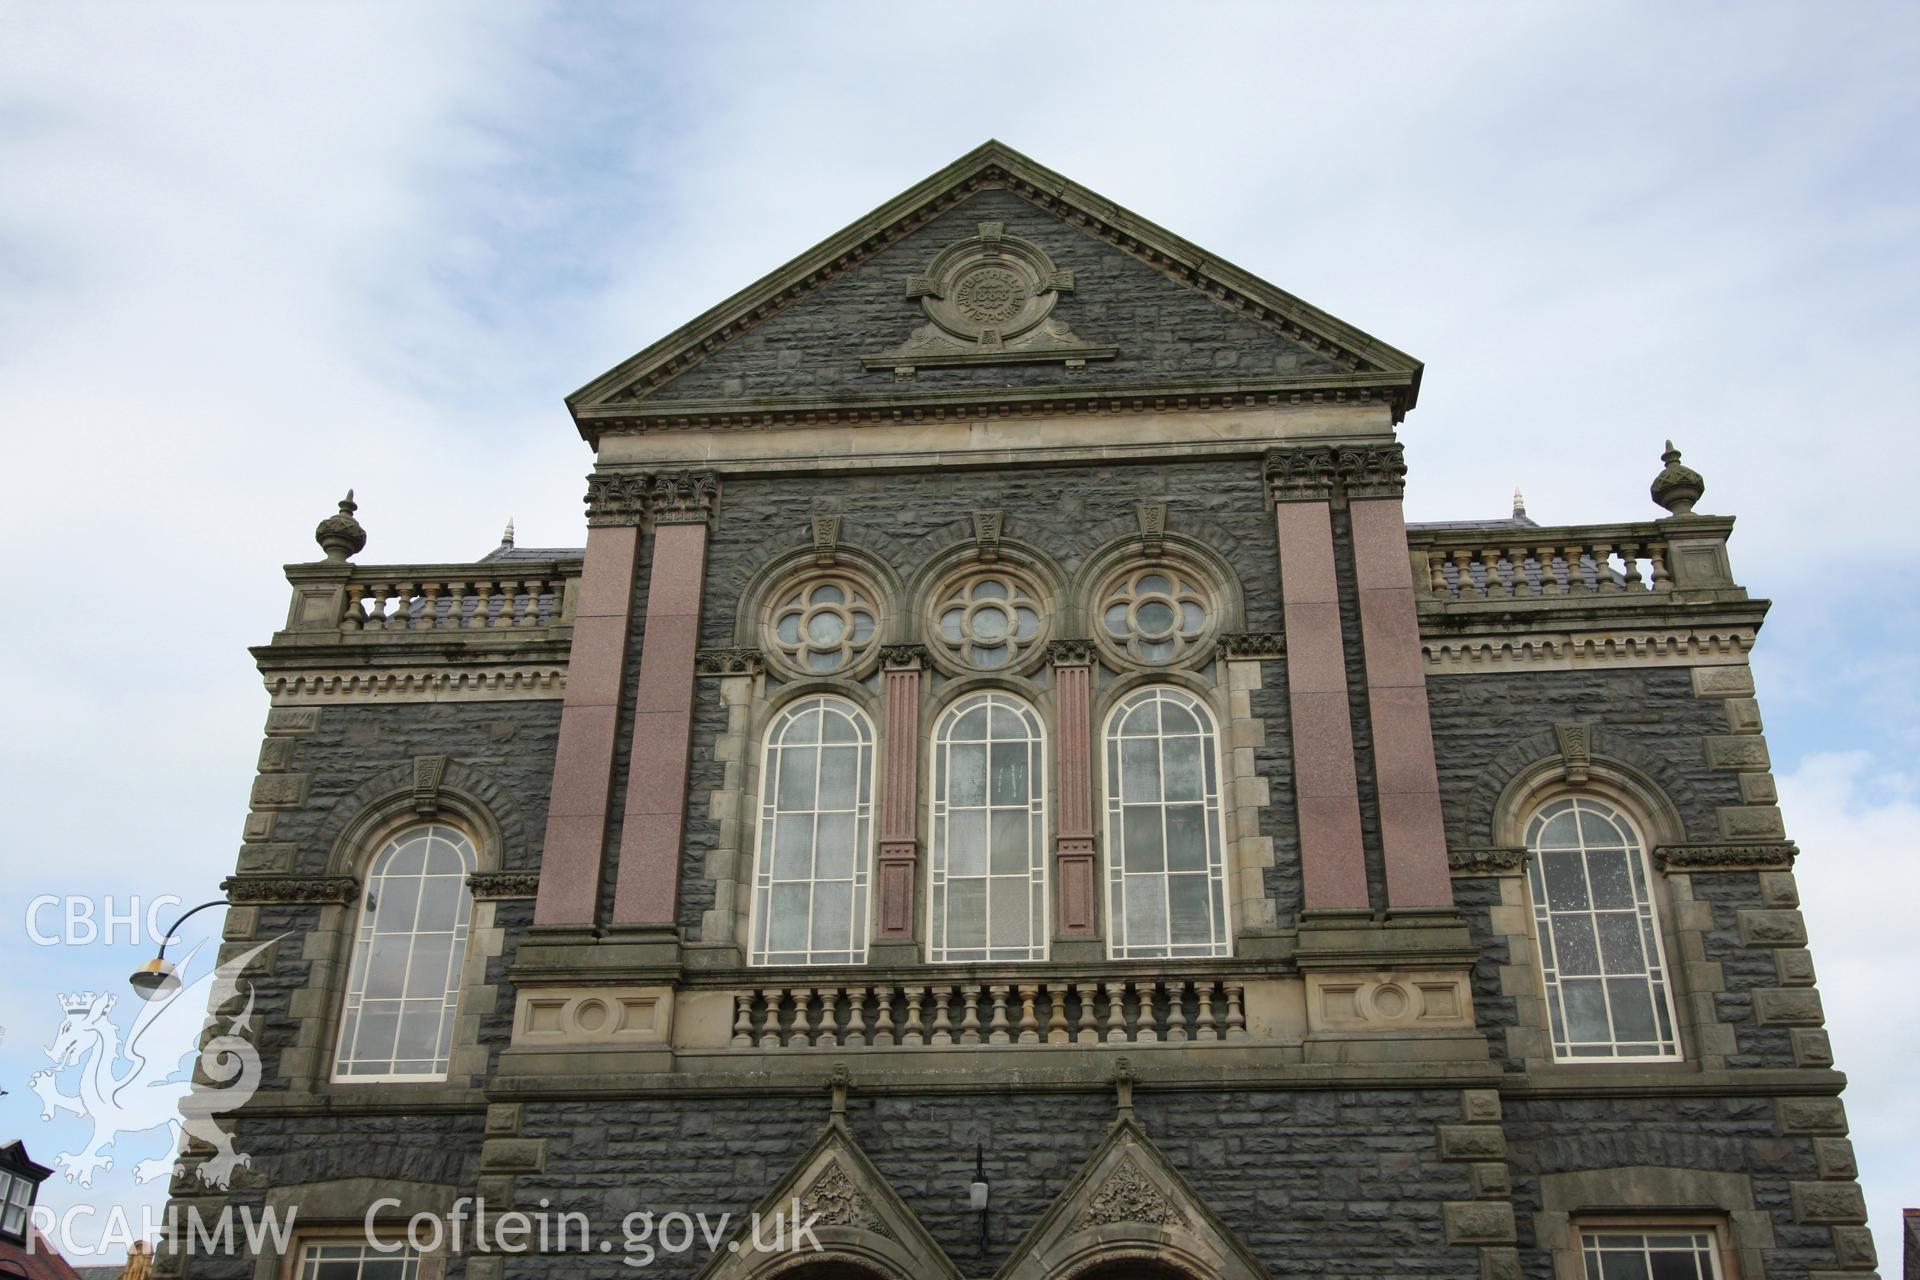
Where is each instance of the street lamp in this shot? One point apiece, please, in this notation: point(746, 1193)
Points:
point(157, 976)
point(977, 1193)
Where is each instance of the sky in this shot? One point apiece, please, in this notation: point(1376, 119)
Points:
point(254, 254)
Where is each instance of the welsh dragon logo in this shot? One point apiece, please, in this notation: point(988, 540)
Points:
point(143, 1084)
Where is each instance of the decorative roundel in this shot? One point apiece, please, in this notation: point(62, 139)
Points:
point(823, 623)
point(1156, 615)
point(988, 620)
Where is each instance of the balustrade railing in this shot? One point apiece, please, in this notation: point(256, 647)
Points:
point(1624, 561)
point(439, 599)
point(963, 1013)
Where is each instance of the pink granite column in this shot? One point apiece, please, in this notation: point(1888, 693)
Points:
point(1073, 843)
point(897, 872)
point(1326, 785)
point(646, 890)
point(583, 757)
point(1412, 829)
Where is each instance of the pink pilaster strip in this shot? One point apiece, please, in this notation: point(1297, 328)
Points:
point(646, 890)
point(1073, 845)
point(583, 757)
point(1332, 855)
point(899, 815)
point(1412, 829)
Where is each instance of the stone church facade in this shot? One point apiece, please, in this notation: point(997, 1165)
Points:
point(1001, 742)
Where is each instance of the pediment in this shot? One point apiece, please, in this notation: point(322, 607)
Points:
point(1128, 1203)
point(856, 1216)
point(995, 277)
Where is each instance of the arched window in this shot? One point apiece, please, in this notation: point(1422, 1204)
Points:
point(404, 982)
point(987, 885)
point(816, 831)
point(1601, 957)
point(1166, 870)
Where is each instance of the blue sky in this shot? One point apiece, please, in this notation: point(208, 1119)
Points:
point(253, 254)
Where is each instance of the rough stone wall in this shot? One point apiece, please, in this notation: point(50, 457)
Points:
point(1358, 710)
point(1165, 331)
point(1719, 1134)
point(1274, 759)
point(1487, 728)
point(1315, 1183)
point(623, 730)
point(503, 751)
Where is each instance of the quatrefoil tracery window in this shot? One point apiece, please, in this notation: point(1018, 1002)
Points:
point(824, 623)
point(1156, 615)
point(989, 621)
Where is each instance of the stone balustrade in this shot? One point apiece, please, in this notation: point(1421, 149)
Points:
point(403, 599)
point(1625, 561)
point(967, 1012)
point(504, 599)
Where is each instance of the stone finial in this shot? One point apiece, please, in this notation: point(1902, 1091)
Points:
point(1677, 488)
point(341, 536)
point(506, 538)
point(1519, 504)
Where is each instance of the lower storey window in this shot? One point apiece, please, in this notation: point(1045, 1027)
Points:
point(1650, 1255)
point(357, 1260)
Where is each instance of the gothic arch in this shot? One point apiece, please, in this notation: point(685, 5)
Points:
point(865, 1230)
point(1129, 1215)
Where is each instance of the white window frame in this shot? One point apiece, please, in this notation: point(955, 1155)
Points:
point(1655, 972)
point(1114, 820)
point(10, 1207)
point(356, 1250)
point(353, 1007)
point(760, 917)
point(1713, 1236)
point(942, 810)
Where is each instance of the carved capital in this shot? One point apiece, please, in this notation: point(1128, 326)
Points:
point(1253, 644)
point(685, 497)
point(1070, 653)
point(903, 657)
point(734, 661)
point(1769, 855)
point(616, 498)
point(1377, 471)
point(1487, 862)
point(504, 884)
point(1301, 475)
point(303, 890)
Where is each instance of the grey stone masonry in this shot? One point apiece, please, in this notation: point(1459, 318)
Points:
point(1166, 331)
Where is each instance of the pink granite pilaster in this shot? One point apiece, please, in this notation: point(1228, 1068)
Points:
point(897, 872)
point(1073, 843)
point(646, 888)
point(1326, 785)
point(1412, 830)
point(583, 757)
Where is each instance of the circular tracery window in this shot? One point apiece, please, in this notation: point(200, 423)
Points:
point(824, 624)
point(1156, 614)
point(988, 620)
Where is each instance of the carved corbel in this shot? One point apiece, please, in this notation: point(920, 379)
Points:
point(1576, 752)
point(1153, 526)
point(427, 774)
point(986, 535)
point(826, 539)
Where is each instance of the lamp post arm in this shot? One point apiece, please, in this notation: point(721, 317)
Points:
point(167, 937)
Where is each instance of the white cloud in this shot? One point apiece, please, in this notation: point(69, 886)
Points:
point(1859, 872)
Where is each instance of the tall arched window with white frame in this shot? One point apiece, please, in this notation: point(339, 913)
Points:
point(1166, 865)
point(816, 836)
point(987, 870)
point(403, 984)
point(1601, 957)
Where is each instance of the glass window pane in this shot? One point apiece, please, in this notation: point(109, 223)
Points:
point(966, 914)
point(1182, 760)
point(1140, 770)
point(1586, 1002)
point(1620, 943)
point(1607, 873)
point(1010, 854)
point(1009, 902)
point(967, 774)
point(797, 769)
point(1010, 785)
point(967, 843)
point(1566, 880)
point(1574, 945)
point(789, 932)
point(1146, 910)
point(1141, 848)
point(793, 846)
point(1187, 837)
point(1190, 920)
point(833, 855)
point(832, 916)
point(1632, 1009)
point(839, 774)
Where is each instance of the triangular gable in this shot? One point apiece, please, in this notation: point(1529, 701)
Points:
point(1128, 1203)
point(1132, 307)
point(857, 1218)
